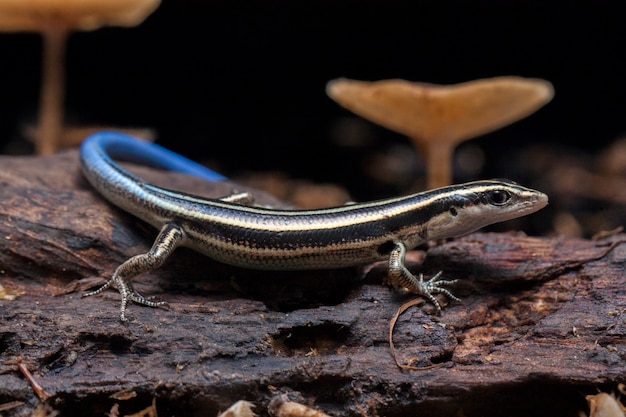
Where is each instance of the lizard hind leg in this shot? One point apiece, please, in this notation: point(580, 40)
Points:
point(169, 238)
point(244, 198)
point(101, 288)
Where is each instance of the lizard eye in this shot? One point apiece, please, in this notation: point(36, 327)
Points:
point(498, 197)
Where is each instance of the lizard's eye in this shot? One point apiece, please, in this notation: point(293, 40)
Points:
point(498, 197)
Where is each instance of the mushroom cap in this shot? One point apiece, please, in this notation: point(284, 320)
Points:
point(604, 405)
point(450, 113)
point(34, 15)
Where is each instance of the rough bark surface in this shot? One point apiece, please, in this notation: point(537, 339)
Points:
point(542, 321)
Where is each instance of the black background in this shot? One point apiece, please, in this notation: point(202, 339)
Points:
point(241, 84)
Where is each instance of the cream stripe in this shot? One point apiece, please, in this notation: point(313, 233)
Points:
point(314, 219)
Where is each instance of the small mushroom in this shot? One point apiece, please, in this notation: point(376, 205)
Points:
point(55, 19)
point(439, 117)
point(605, 405)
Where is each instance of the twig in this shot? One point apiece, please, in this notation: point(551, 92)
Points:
point(41, 393)
point(392, 325)
point(11, 405)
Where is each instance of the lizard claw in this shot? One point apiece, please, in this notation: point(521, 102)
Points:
point(435, 285)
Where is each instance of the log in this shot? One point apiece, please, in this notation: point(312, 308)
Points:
point(541, 323)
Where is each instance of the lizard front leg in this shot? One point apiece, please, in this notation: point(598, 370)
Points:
point(400, 276)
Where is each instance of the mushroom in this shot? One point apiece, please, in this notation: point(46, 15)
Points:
point(439, 117)
point(55, 19)
point(605, 405)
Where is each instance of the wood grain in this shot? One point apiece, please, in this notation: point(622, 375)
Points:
point(541, 324)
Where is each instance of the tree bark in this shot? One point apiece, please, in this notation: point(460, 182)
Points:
point(541, 323)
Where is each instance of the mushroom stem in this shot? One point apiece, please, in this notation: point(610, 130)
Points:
point(438, 161)
point(50, 124)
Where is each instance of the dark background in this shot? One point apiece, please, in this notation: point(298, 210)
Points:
point(241, 84)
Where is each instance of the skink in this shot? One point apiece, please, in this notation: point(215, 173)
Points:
point(232, 231)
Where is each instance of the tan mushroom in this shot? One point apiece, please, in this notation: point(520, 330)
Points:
point(438, 117)
point(55, 19)
point(605, 405)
